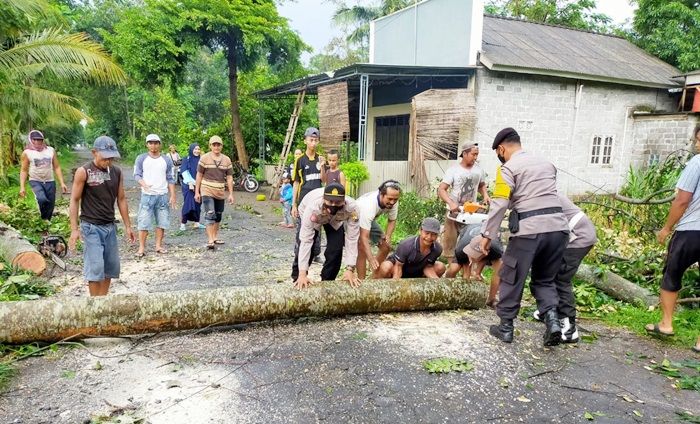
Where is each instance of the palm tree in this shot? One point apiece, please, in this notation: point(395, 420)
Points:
point(31, 60)
point(359, 17)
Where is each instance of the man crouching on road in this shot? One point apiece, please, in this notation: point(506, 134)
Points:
point(416, 257)
point(328, 207)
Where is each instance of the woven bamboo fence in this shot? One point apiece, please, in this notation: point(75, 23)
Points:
point(441, 119)
point(333, 117)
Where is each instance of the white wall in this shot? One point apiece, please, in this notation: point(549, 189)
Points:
point(433, 33)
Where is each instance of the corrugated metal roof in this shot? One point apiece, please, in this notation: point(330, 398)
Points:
point(554, 50)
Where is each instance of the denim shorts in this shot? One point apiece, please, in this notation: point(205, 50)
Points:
point(100, 251)
point(153, 205)
point(213, 209)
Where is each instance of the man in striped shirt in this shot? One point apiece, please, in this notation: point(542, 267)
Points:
point(214, 174)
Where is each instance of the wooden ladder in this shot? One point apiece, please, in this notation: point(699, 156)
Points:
point(288, 141)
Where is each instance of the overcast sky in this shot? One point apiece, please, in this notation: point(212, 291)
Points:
point(312, 18)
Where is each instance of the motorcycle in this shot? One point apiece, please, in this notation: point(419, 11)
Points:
point(245, 180)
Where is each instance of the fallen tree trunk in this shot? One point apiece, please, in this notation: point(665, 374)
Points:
point(617, 287)
point(19, 252)
point(56, 319)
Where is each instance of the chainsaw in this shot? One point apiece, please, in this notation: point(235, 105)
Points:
point(54, 248)
point(468, 214)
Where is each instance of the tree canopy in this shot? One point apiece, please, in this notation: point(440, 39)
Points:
point(245, 31)
point(579, 14)
point(669, 29)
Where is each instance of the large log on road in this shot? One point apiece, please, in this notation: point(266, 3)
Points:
point(19, 252)
point(617, 287)
point(56, 319)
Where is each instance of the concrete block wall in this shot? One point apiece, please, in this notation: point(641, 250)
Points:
point(543, 111)
point(655, 137)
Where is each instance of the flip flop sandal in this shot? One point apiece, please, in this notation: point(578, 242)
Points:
point(139, 255)
point(162, 251)
point(656, 332)
point(211, 246)
point(219, 242)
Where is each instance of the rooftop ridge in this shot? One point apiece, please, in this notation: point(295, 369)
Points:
point(508, 18)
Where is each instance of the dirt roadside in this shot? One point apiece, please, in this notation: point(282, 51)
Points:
point(350, 369)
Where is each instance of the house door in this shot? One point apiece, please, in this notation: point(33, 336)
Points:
point(391, 138)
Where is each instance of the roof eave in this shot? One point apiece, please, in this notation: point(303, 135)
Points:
point(572, 75)
point(373, 70)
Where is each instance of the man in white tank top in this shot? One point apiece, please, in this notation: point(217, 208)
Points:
point(39, 163)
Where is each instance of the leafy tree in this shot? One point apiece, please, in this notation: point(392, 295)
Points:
point(357, 18)
point(32, 59)
point(245, 31)
point(670, 30)
point(337, 54)
point(570, 13)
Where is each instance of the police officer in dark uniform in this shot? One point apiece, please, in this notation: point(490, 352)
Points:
point(526, 184)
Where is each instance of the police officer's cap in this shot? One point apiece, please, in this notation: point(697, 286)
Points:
point(334, 191)
point(505, 133)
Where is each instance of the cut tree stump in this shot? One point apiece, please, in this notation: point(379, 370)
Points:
point(19, 252)
point(617, 287)
point(52, 320)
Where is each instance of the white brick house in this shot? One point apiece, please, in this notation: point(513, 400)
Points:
point(576, 97)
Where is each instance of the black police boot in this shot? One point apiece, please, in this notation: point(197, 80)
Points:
point(552, 333)
point(569, 332)
point(504, 331)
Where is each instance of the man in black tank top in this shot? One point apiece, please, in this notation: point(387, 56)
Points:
point(96, 187)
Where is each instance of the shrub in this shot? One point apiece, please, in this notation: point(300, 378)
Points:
point(355, 173)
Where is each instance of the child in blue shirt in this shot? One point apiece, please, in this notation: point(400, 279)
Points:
point(286, 200)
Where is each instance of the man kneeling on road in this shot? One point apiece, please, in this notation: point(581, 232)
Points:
point(416, 257)
point(471, 260)
point(327, 207)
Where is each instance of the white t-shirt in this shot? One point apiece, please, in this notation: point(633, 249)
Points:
point(464, 182)
point(154, 174)
point(369, 210)
point(40, 164)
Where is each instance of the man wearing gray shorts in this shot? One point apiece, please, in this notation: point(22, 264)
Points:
point(154, 173)
point(96, 186)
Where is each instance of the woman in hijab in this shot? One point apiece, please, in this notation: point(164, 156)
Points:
point(188, 169)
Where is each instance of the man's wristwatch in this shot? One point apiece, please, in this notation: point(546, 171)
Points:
point(350, 268)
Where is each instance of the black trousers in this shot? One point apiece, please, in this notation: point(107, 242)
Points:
point(541, 256)
point(569, 265)
point(335, 241)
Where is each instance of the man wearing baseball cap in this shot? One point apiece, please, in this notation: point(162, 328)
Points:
point(214, 174)
point(154, 173)
point(39, 162)
point(416, 256)
point(338, 215)
point(527, 185)
point(96, 187)
point(464, 180)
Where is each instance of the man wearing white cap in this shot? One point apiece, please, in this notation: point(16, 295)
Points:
point(464, 179)
point(153, 172)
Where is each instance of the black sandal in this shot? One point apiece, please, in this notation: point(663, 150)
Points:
point(211, 246)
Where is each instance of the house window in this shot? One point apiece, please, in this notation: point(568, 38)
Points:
point(391, 138)
point(601, 150)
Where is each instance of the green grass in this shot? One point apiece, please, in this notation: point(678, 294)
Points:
point(686, 322)
point(6, 373)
